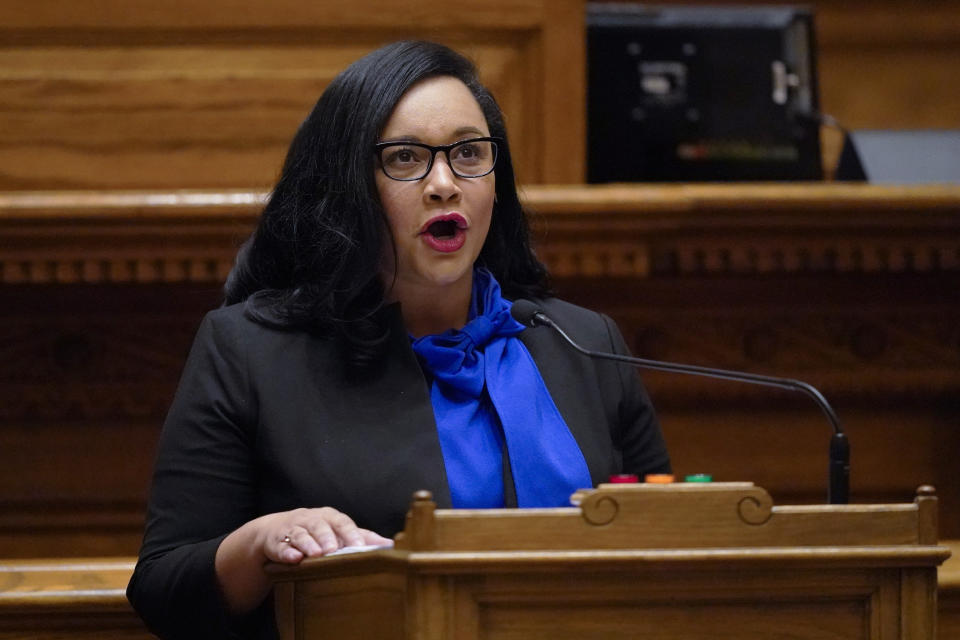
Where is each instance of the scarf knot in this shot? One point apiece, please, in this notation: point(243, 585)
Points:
point(456, 357)
point(517, 411)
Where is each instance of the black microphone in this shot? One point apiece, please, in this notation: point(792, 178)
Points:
point(838, 492)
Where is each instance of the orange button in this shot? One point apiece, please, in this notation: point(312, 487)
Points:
point(658, 478)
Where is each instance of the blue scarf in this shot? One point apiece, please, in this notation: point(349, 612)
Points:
point(545, 460)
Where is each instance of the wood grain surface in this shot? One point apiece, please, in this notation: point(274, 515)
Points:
point(178, 95)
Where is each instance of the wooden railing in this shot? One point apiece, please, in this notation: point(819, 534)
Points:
point(586, 231)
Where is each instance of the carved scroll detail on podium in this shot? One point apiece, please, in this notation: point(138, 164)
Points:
point(755, 509)
point(599, 509)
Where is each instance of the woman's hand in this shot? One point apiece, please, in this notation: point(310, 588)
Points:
point(287, 537)
point(290, 536)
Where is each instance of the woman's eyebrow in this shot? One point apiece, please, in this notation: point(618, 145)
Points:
point(401, 139)
point(469, 129)
point(456, 133)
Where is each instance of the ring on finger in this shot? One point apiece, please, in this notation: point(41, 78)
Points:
point(285, 539)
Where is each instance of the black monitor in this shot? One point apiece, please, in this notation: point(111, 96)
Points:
point(701, 93)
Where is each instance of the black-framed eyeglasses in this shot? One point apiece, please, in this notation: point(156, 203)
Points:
point(473, 158)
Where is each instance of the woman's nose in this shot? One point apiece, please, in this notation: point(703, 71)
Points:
point(441, 183)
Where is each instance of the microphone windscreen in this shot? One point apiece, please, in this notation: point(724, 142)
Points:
point(523, 312)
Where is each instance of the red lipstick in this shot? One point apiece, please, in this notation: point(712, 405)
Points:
point(445, 233)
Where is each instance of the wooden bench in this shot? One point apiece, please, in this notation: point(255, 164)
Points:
point(56, 598)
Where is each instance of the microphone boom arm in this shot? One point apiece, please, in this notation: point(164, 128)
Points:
point(839, 489)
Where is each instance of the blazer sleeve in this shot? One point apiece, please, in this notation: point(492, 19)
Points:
point(640, 438)
point(203, 488)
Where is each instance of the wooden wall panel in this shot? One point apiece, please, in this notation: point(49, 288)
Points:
point(884, 354)
point(182, 95)
point(100, 292)
point(87, 373)
point(890, 64)
point(855, 289)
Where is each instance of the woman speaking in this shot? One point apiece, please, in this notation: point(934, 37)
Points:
point(366, 351)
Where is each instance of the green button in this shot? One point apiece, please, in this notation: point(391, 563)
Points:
point(699, 477)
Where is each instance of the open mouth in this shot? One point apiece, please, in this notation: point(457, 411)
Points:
point(445, 226)
point(442, 229)
point(445, 233)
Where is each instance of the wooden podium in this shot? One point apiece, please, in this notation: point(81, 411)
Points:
point(665, 562)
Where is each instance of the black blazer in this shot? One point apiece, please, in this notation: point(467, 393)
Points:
point(264, 421)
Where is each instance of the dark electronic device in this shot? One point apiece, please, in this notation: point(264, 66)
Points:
point(698, 93)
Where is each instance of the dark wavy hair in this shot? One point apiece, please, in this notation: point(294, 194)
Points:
point(314, 259)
